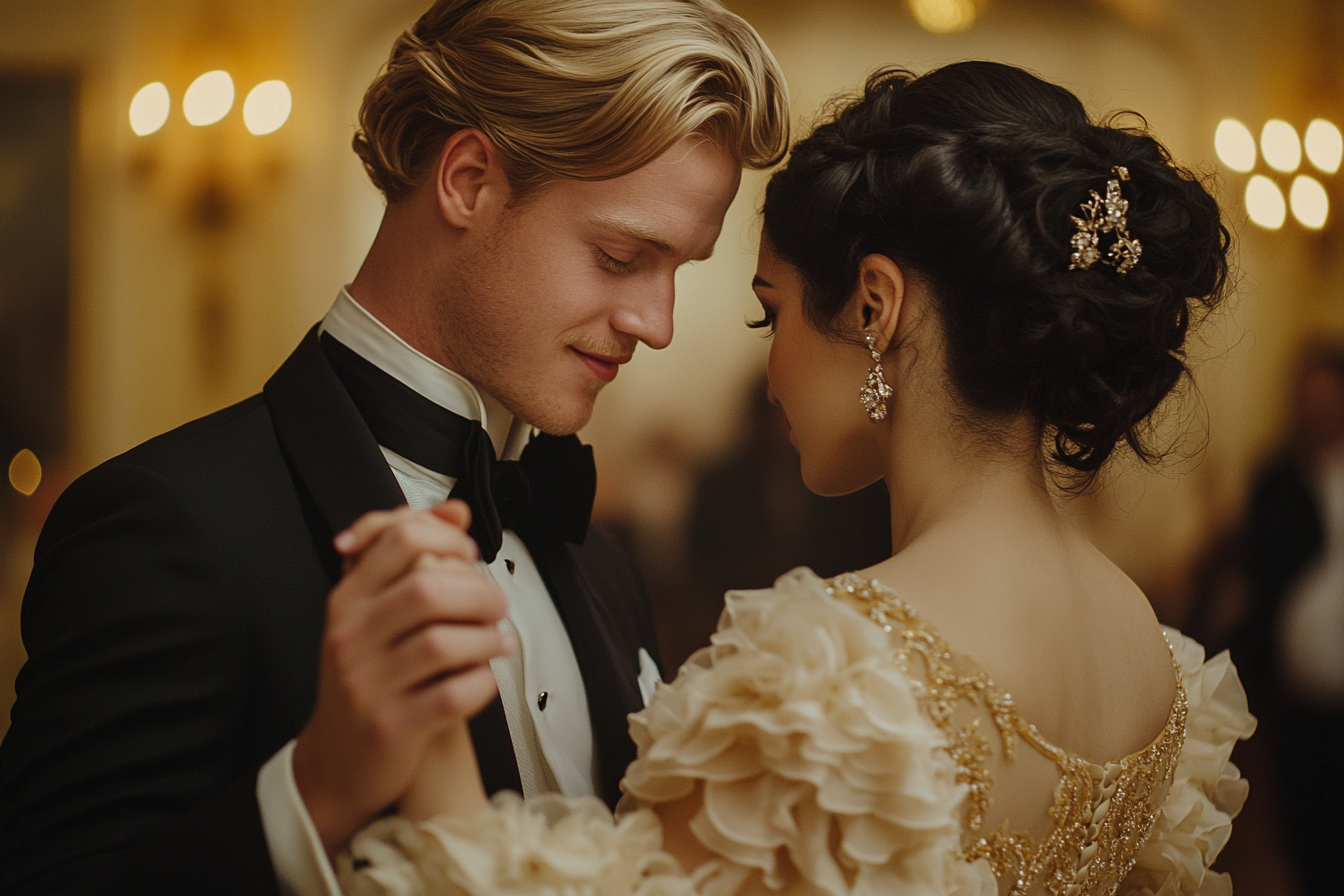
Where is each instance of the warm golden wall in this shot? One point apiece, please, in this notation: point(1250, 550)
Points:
point(175, 316)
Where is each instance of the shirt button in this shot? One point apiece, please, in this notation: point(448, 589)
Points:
point(541, 700)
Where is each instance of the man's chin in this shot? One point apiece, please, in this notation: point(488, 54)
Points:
point(560, 418)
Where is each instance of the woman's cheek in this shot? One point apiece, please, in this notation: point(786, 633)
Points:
point(776, 374)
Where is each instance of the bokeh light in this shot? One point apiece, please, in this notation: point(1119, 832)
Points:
point(1265, 203)
point(944, 16)
point(1310, 203)
point(267, 107)
point(149, 108)
point(1280, 146)
point(208, 99)
point(1325, 145)
point(25, 473)
point(1235, 145)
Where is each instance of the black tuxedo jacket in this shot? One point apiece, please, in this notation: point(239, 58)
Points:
point(174, 622)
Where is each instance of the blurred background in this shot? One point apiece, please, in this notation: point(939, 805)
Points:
point(166, 239)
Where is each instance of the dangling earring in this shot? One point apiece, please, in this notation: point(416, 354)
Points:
point(876, 390)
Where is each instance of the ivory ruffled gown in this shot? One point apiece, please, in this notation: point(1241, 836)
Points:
point(829, 742)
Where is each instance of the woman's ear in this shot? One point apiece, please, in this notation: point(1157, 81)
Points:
point(879, 299)
point(468, 177)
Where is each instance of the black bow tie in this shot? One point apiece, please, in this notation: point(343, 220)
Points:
point(546, 494)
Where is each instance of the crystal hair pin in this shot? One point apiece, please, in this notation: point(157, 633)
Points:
point(1105, 216)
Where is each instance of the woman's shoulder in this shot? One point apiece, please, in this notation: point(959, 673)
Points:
point(1218, 715)
point(793, 728)
point(802, 620)
point(1207, 790)
point(781, 661)
point(850, 601)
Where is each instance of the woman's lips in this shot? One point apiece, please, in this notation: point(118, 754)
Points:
point(604, 368)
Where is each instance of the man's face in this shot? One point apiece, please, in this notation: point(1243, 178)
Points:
point(554, 294)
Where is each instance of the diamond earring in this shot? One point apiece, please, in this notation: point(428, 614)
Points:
point(876, 390)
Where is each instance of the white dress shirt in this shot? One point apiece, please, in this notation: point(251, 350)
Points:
point(554, 744)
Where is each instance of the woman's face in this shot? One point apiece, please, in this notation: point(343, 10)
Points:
point(816, 379)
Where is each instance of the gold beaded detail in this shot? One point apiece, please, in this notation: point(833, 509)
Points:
point(1101, 816)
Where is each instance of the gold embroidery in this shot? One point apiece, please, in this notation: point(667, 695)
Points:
point(1101, 815)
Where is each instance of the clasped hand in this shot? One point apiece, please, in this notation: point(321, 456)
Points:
point(411, 629)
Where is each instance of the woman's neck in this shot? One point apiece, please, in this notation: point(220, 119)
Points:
point(938, 474)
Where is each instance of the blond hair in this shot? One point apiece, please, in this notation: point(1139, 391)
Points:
point(582, 89)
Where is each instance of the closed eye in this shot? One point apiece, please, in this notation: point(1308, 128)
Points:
point(613, 264)
point(767, 320)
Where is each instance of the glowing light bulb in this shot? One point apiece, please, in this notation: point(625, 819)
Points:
point(1264, 202)
point(1311, 205)
point(208, 99)
point(944, 16)
point(267, 107)
point(25, 473)
point(1280, 146)
point(149, 108)
point(1235, 145)
point(1325, 145)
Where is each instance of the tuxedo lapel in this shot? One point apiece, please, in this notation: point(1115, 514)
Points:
point(606, 661)
point(325, 439)
point(335, 456)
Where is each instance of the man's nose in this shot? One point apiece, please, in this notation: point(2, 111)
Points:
point(648, 315)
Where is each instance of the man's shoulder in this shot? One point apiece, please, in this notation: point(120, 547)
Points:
point(216, 487)
point(245, 426)
point(225, 458)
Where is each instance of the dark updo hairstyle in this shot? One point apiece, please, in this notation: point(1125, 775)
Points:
point(968, 177)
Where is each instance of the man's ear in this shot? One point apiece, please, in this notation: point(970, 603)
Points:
point(879, 298)
point(469, 178)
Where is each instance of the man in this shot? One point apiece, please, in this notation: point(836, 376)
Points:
point(211, 701)
point(1289, 640)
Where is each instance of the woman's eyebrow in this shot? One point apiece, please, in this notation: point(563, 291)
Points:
point(758, 280)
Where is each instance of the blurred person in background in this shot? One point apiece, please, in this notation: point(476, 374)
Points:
point(215, 696)
point(1293, 645)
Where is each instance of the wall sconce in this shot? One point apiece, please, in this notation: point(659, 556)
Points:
point(208, 100)
point(1267, 200)
point(150, 108)
point(213, 172)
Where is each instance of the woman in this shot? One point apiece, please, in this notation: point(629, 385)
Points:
point(977, 294)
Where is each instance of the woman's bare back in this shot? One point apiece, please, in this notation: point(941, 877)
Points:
point(1053, 623)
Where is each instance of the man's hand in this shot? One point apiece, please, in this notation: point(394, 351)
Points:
point(411, 629)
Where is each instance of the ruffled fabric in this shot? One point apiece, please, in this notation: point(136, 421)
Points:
point(813, 768)
point(810, 769)
point(1207, 792)
point(551, 845)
